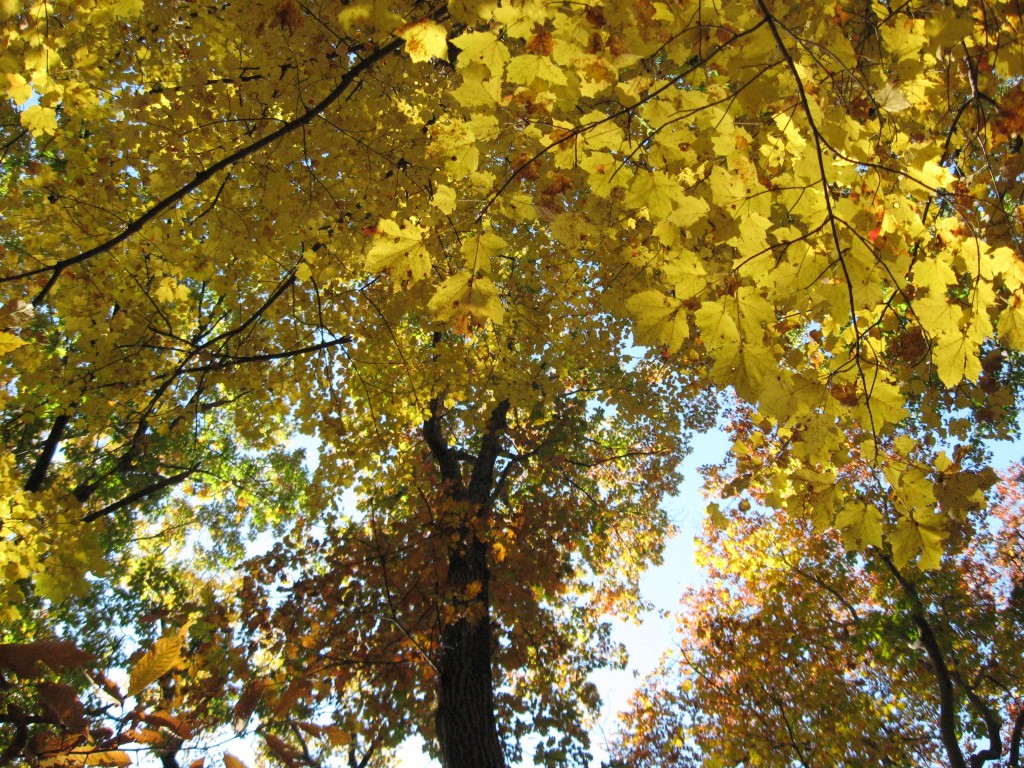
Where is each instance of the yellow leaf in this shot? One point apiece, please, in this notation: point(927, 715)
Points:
point(657, 192)
point(230, 761)
point(9, 342)
point(861, 524)
point(19, 90)
point(752, 238)
point(464, 296)
point(164, 656)
point(906, 542)
point(932, 536)
point(891, 98)
point(523, 70)
point(400, 252)
point(659, 321)
point(955, 359)
point(39, 120)
point(484, 48)
point(478, 251)
point(718, 329)
point(1011, 326)
point(424, 40)
point(444, 199)
point(127, 8)
point(375, 14)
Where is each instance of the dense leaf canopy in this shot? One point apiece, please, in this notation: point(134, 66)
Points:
point(495, 261)
point(796, 652)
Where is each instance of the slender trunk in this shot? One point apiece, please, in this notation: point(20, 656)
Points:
point(940, 670)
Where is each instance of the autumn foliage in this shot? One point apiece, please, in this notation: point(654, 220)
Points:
point(349, 348)
point(799, 652)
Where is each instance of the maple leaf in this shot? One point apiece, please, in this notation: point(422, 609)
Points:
point(660, 320)
point(400, 251)
point(424, 40)
point(40, 120)
point(9, 342)
point(464, 299)
point(19, 89)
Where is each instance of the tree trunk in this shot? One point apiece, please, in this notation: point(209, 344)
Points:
point(467, 731)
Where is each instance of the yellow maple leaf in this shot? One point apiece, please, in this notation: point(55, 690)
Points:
point(478, 251)
point(659, 321)
point(399, 251)
point(9, 342)
point(1011, 326)
point(444, 199)
point(424, 40)
point(955, 358)
point(656, 191)
point(718, 329)
point(905, 541)
point(374, 14)
point(526, 68)
point(39, 120)
point(464, 299)
point(484, 48)
point(127, 8)
point(19, 89)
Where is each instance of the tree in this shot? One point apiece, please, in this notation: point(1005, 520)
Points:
point(800, 652)
point(429, 235)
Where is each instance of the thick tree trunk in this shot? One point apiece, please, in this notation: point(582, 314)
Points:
point(467, 731)
point(466, 728)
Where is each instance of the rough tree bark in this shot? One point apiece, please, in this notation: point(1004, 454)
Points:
point(467, 731)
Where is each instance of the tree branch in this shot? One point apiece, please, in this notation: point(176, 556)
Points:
point(159, 485)
point(482, 478)
point(943, 679)
point(158, 208)
point(445, 457)
point(35, 480)
point(1015, 739)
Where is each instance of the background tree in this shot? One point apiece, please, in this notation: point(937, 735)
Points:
point(798, 651)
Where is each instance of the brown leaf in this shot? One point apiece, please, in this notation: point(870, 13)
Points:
point(110, 687)
point(291, 694)
point(251, 695)
point(61, 705)
point(112, 757)
point(26, 659)
point(281, 750)
point(160, 719)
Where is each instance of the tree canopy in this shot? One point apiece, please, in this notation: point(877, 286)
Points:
point(497, 261)
point(797, 652)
